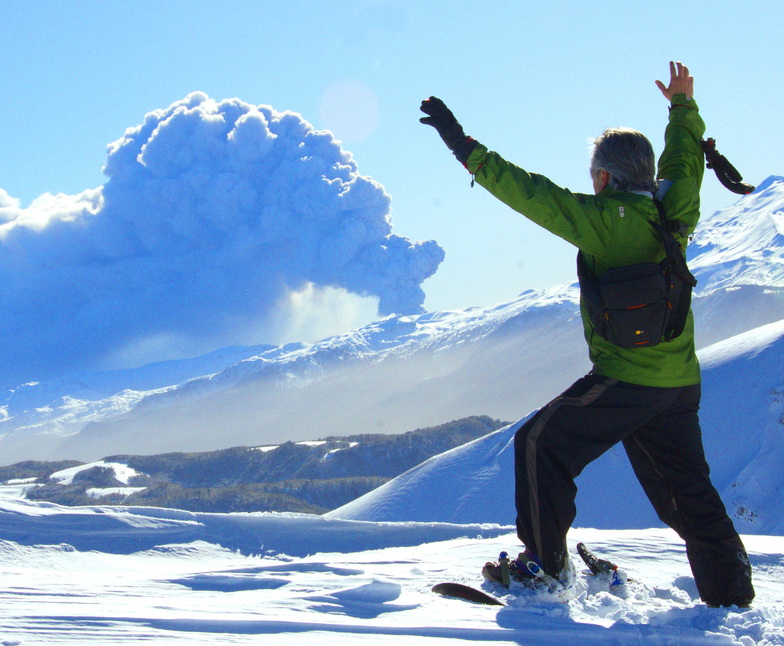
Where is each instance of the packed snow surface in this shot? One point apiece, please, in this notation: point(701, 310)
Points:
point(129, 576)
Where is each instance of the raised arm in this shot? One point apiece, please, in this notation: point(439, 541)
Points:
point(682, 156)
point(682, 162)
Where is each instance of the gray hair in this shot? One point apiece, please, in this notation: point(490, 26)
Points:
point(628, 157)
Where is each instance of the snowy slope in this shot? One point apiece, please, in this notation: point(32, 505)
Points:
point(742, 244)
point(745, 444)
point(503, 361)
point(130, 576)
point(742, 417)
point(444, 365)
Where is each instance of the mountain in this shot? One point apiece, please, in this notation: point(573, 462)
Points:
point(743, 244)
point(743, 423)
point(398, 373)
point(249, 577)
point(310, 477)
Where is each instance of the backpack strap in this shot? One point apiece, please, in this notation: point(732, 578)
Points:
point(681, 280)
point(675, 256)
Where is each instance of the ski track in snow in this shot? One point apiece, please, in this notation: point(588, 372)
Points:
point(168, 577)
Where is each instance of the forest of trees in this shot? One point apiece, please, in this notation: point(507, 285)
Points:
point(312, 477)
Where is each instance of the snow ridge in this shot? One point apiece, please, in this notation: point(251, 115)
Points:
point(742, 244)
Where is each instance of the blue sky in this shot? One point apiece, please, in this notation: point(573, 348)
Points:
point(532, 81)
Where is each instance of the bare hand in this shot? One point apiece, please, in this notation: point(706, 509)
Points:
point(680, 82)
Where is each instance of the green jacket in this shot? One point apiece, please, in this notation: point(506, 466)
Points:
point(614, 229)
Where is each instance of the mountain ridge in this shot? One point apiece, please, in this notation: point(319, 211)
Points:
point(306, 477)
point(503, 360)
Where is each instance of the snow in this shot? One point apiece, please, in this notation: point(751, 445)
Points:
point(742, 417)
point(120, 575)
point(122, 472)
point(15, 489)
point(131, 575)
point(311, 443)
point(100, 492)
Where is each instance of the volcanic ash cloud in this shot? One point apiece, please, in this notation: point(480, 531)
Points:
point(212, 217)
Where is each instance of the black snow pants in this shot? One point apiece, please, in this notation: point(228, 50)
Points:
point(660, 430)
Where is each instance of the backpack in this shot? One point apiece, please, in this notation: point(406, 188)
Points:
point(640, 305)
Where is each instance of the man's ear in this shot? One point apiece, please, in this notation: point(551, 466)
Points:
point(600, 180)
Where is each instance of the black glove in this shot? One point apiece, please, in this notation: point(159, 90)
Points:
point(442, 119)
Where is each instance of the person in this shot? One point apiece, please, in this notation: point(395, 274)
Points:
point(647, 398)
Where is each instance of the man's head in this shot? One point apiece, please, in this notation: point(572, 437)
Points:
point(623, 159)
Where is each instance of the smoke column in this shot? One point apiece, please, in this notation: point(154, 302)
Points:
point(213, 215)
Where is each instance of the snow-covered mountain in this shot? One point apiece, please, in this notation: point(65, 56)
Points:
point(392, 376)
point(397, 374)
point(743, 244)
point(743, 422)
point(365, 571)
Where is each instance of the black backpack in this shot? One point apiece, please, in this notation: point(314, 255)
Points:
point(638, 306)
